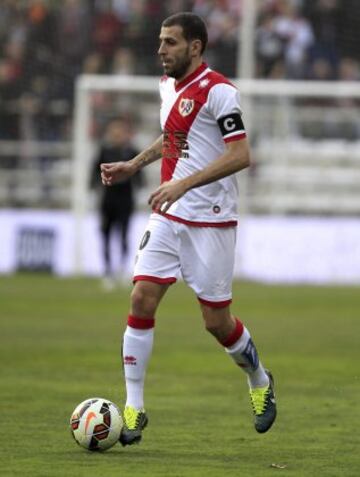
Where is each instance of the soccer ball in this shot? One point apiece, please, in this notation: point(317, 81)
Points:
point(96, 424)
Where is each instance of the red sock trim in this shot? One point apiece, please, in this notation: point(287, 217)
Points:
point(140, 323)
point(234, 335)
point(215, 304)
point(149, 278)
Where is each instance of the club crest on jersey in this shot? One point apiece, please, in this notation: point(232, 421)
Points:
point(186, 106)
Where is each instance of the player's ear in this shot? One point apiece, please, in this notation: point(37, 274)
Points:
point(195, 47)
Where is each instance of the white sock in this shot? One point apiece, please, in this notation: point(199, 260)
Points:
point(137, 347)
point(244, 353)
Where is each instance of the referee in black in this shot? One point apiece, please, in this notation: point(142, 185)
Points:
point(116, 203)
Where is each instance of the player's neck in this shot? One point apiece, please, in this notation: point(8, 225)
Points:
point(192, 68)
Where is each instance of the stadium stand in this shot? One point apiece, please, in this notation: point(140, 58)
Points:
point(46, 44)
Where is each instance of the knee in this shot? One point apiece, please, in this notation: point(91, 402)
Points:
point(143, 303)
point(213, 328)
point(219, 322)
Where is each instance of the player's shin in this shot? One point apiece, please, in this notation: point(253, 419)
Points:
point(241, 348)
point(137, 348)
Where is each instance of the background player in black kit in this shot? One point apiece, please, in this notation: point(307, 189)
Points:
point(116, 203)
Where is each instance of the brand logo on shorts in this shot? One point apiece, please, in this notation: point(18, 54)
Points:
point(216, 209)
point(186, 106)
point(145, 239)
point(130, 360)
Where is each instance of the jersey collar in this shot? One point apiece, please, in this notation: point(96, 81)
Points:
point(191, 77)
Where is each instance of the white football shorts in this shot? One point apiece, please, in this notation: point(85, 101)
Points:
point(203, 256)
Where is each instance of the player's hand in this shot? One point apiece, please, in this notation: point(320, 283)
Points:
point(165, 195)
point(114, 172)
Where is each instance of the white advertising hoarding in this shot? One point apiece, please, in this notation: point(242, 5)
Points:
point(269, 249)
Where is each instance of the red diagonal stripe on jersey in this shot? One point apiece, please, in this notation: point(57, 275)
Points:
point(177, 123)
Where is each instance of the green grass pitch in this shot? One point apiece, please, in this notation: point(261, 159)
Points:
point(60, 344)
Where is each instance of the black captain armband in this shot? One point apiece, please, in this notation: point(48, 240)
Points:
point(231, 125)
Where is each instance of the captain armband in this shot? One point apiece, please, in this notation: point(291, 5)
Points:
point(231, 126)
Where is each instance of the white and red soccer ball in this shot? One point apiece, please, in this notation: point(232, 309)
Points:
point(96, 424)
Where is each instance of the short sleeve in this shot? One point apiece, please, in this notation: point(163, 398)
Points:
point(224, 99)
point(224, 106)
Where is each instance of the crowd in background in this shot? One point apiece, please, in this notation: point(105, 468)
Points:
point(46, 44)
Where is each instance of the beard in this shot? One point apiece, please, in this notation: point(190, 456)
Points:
point(180, 67)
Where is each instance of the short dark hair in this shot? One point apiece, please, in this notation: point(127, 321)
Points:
point(193, 26)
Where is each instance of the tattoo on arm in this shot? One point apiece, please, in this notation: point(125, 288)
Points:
point(148, 156)
point(153, 153)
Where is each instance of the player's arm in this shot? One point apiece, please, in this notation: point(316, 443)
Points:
point(119, 171)
point(235, 158)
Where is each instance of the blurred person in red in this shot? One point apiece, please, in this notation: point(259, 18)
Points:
point(107, 31)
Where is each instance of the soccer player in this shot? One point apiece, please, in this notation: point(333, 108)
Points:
point(192, 228)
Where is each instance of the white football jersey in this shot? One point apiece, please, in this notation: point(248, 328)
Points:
point(198, 116)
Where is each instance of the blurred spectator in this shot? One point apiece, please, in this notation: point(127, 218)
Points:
point(10, 89)
point(269, 47)
point(174, 6)
point(349, 70)
point(107, 31)
point(124, 62)
point(135, 24)
point(13, 27)
point(324, 16)
point(93, 64)
point(73, 32)
point(122, 9)
point(223, 37)
point(222, 22)
point(349, 38)
point(322, 70)
point(41, 42)
point(295, 30)
point(153, 13)
point(45, 45)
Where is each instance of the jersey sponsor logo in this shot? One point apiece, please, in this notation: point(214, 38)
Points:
point(145, 239)
point(230, 123)
point(186, 106)
point(175, 145)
